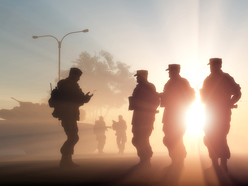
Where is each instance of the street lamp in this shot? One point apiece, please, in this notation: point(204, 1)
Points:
point(60, 42)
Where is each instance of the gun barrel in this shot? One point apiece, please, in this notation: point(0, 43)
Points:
point(15, 99)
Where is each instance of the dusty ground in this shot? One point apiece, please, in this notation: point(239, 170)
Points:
point(111, 169)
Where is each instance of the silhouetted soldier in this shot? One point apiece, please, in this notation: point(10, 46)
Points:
point(99, 130)
point(120, 127)
point(177, 97)
point(144, 103)
point(219, 94)
point(67, 110)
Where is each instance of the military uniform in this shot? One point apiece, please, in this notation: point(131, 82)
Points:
point(176, 98)
point(217, 91)
point(67, 110)
point(120, 127)
point(144, 102)
point(99, 130)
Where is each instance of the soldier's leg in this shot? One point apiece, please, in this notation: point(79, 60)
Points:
point(135, 139)
point(118, 141)
point(98, 141)
point(225, 151)
point(210, 142)
point(121, 146)
point(146, 147)
point(173, 140)
point(223, 164)
point(123, 141)
point(216, 142)
point(180, 149)
point(169, 142)
point(101, 144)
point(141, 142)
point(71, 130)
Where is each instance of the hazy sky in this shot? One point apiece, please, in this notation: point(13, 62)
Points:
point(146, 34)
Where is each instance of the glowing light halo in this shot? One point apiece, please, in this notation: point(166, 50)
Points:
point(196, 116)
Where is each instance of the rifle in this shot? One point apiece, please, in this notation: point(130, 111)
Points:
point(107, 127)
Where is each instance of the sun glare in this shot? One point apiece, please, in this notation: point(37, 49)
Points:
point(196, 117)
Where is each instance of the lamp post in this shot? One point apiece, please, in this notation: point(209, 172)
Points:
point(59, 44)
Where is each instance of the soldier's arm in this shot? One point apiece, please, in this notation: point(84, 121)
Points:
point(204, 91)
point(83, 98)
point(162, 96)
point(155, 101)
point(87, 97)
point(236, 96)
point(134, 98)
point(236, 90)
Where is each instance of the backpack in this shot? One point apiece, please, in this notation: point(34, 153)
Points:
point(55, 97)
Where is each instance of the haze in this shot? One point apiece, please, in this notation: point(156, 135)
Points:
point(143, 34)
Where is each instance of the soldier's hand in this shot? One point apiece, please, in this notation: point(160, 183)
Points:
point(88, 94)
point(87, 97)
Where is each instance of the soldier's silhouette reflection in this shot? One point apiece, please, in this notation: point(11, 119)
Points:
point(120, 127)
point(176, 98)
point(219, 94)
point(144, 102)
point(66, 108)
point(99, 130)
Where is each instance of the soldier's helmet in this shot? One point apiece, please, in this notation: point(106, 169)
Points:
point(75, 71)
point(142, 73)
point(173, 67)
point(215, 62)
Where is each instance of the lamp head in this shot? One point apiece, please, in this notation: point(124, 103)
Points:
point(85, 30)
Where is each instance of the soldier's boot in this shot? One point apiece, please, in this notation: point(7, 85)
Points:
point(121, 151)
point(223, 164)
point(173, 161)
point(73, 165)
point(66, 162)
point(144, 163)
point(180, 162)
point(100, 151)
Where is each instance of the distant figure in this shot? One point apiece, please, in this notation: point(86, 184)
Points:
point(144, 103)
point(219, 94)
point(69, 98)
point(120, 127)
point(99, 130)
point(177, 98)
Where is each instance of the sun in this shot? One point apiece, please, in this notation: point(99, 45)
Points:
point(196, 116)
